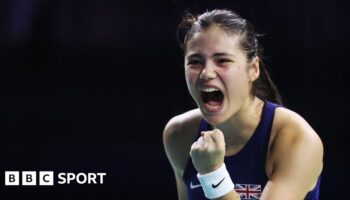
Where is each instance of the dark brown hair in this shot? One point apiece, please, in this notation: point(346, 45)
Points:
point(231, 22)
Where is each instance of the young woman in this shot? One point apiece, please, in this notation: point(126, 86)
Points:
point(240, 143)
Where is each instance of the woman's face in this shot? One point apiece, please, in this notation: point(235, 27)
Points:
point(217, 74)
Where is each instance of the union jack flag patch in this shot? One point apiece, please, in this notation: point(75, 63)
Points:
point(248, 191)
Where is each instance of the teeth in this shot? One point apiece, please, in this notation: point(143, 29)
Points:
point(210, 89)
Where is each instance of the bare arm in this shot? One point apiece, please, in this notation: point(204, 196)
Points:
point(297, 153)
point(178, 136)
point(171, 142)
point(181, 187)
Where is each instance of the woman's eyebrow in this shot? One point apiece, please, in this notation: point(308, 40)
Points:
point(194, 55)
point(197, 55)
point(222, 54)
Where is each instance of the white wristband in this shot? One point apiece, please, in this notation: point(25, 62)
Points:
point(217, 183)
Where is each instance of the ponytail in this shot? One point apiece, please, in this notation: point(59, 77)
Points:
point(265, 88)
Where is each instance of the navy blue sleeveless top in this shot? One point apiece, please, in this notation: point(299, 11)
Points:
point(247, 167)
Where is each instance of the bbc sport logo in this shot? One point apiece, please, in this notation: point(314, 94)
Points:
point(46, 178)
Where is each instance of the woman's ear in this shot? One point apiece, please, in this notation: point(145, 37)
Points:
point(254, 69)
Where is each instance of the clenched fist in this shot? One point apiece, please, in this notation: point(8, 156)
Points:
point(208, 151)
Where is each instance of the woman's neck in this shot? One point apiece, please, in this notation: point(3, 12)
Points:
point(240, 127)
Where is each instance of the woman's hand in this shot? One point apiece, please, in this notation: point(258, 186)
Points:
point(208, 151)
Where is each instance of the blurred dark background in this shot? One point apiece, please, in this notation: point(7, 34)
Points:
point(88, 86)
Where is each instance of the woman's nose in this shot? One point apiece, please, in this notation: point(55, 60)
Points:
point(208, 72)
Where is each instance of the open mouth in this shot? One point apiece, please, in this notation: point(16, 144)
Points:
point(212, 98)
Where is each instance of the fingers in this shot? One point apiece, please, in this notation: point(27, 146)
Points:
point(218, 137)
point(201, 144)
point(208, 151)
point(209, 138)
point(197, 144)
point(215, 136)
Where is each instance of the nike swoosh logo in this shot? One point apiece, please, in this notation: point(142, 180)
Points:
point(215, 186)
point(194, 186)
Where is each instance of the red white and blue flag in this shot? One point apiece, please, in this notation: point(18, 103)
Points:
point(248, 191)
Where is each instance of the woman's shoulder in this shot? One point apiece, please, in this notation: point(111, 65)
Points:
point(287, 120)
point(294, 138)
point(184, 121)
point(178, 136)
point(290, 126)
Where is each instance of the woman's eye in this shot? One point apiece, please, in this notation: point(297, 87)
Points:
point(194, 62)
point(223, 60)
